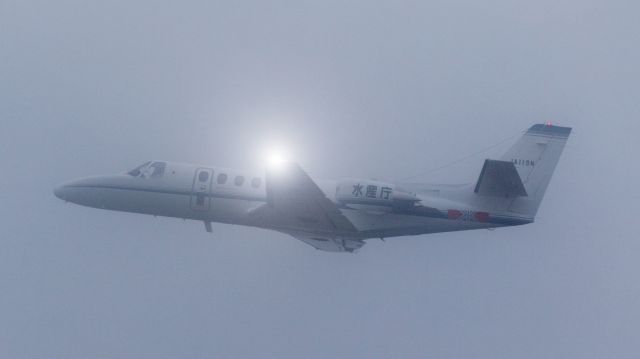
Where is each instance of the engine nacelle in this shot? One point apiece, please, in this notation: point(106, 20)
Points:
point(373, 193)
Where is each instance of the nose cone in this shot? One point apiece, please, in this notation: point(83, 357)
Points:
point(95, 191)
point(61, 192)
point(78, 191)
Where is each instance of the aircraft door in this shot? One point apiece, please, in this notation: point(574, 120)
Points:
point(200, 199)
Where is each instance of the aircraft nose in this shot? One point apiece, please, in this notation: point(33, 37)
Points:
point(88, 191)
point(61, 192)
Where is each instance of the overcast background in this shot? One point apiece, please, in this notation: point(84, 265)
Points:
point(384, 89)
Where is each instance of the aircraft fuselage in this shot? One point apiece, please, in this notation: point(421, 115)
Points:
point(333, 215)
point(213, 194)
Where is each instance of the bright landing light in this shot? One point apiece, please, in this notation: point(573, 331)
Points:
point(276, 157)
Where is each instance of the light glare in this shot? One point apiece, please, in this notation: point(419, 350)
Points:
point(276, 157)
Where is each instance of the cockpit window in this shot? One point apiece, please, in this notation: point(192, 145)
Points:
point(136, 171)
point(149, 169)
point(157, 169)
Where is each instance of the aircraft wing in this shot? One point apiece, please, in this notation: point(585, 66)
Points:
point(296, 202)
point(333, 244)
point(329, 244)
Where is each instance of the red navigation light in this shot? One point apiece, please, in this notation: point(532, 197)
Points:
point(549, 124)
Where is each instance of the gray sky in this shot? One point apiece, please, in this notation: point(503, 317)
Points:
point(383, 89)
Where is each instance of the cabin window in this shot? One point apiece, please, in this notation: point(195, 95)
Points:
point(239, 180)
point(203, 176)
point(255, 182)
point(222, 178)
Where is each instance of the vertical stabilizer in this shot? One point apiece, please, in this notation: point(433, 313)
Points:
point(535, 157)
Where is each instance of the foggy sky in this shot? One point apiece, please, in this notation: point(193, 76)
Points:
point(384, 89)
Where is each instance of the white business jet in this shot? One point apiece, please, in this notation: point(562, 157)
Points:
point(336, 216)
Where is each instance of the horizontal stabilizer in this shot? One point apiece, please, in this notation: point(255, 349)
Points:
point(500, 179)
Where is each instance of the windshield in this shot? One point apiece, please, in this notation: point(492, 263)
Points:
point(136, 171)
point(148, 169)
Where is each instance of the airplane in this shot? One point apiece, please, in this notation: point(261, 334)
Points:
point(334, 215)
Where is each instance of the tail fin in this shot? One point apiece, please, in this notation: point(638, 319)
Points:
point(535, 157)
